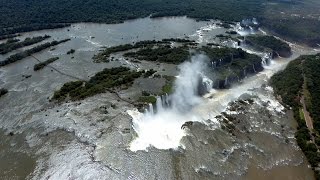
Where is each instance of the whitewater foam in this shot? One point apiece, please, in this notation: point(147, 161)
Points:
point(162, 129)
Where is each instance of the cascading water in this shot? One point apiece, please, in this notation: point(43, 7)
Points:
point(162, 129)
point(266, 59)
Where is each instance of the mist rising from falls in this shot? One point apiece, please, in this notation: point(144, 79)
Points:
point(160, 126)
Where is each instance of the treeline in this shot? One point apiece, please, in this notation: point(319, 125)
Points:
point(18, 28)
point(167, 54)
point(20, 16)
point(10, 36)
point(105, 54)
point(13, 44)
point(289, 85)
point(302, 30)
point(231, 65)
point(312, 73)
point(41, 65)
point(106, 79)
point(277, 46)
point(29, 52)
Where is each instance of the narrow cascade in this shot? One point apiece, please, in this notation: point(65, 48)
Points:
point(226, 82)
point(159, 104)
point(254, 69)
point(264, 61)
point(244, 72)
point(151, 109)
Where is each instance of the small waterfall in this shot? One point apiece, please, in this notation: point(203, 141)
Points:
point(226, 82)
point(220, 62)
point(254, 69)
point(151, 109)
point(264, 61)
point(208, 83)
point(213, 64)
point(244, 72)
point(167, 99)
point(159, 104)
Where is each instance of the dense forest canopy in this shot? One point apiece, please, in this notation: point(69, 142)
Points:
point(276, 15)
point(302, 75)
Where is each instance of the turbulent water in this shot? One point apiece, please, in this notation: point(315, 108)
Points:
point(162, 129)
point(102, 137)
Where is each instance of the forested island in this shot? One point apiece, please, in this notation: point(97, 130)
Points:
point(299, 86)
point(269, 44)
point(276, 18)
point(230, 65)
point(103, 81)
point(41, 65)
point(19, 56)
point(13, 44)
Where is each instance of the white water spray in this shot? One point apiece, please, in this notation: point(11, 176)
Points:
point(162, 129)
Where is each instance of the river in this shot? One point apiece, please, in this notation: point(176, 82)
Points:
point(76, 140)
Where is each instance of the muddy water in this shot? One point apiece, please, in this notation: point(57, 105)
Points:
point(16, 163)
point(93, 137)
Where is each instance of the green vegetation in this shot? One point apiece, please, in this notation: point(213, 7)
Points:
point(231, 64)
point(71, 51)
point(269, 43)
point(147, 99)
point(158, 47)
point(295, 19)
point(19, 16)
point(289, 85)
point(149, 73)
point(175, 55)
point(3, 91)
point(100, 83)
point(312, 74)
point(13, 44)
point(168, 87)
point(29, 52)
point(17, 28)
point(9, 36)
point(41, 65)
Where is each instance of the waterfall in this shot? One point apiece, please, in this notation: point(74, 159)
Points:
point(244, 72)
point(264, 61)
point(159, 106)
point(163, 128)
point(208, 83)
point(150, 109)
point(254, 69)
point(226, 82)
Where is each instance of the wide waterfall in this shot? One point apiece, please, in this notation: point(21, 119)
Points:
point(161, 125)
